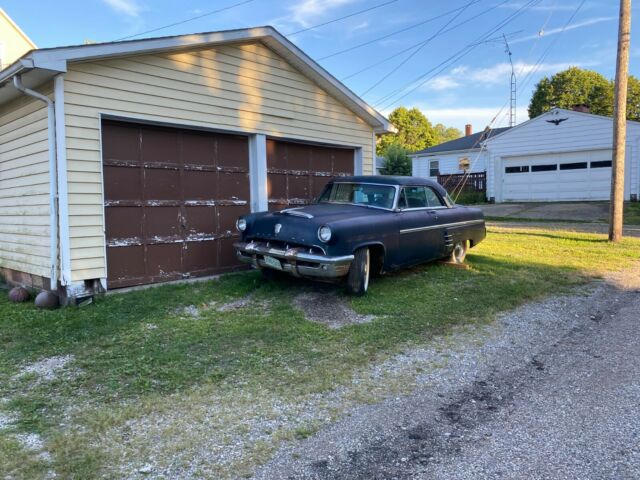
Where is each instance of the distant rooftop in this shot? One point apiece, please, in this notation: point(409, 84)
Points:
point(468, 142)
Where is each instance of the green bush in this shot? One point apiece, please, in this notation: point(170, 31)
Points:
point(470, 198)
point(396, 161)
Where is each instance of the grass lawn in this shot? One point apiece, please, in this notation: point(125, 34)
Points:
point(157, 375)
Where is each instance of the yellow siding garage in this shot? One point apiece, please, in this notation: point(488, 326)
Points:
point(243, 88)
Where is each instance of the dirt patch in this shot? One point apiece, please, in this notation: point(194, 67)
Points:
point(328, 309)
point(47, 368)
point(6, 420)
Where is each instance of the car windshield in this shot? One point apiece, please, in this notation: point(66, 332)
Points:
point(367, 194)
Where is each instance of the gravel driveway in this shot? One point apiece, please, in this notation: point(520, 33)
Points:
point(551, 390)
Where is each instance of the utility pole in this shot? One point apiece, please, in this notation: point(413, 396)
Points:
point(620, 123)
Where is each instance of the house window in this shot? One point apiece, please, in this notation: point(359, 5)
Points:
point(464, 164)
point(573, 166)
point(601, 164)
point(544, 168)
point(518, 169)
point(434, 168)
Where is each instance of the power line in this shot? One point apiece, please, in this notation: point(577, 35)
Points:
point(456, 56)
point(422, 45)
point(341, 18)
point(384, 37)
point(206, 14)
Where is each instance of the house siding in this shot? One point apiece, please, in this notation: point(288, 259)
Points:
point(243, 88)
point(449, 163)
point(24, 186)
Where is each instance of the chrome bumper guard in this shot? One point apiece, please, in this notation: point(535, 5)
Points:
point(294, 260)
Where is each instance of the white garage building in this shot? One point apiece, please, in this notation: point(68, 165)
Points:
point(561, 155)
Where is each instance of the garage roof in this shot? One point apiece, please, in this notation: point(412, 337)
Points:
point(39, 66)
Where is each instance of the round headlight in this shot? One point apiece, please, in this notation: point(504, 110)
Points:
point(324, 234)
point(241, 224)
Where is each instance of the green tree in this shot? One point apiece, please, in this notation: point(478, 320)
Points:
point(414, 131)
point(396, 161)
point(445, 134)
point(574, 86)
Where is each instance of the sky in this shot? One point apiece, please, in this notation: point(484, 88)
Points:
point(446, 57)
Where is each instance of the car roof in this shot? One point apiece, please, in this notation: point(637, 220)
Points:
point(387, 180)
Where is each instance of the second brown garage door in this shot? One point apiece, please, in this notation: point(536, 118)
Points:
point(297, 172)
point(171, 200)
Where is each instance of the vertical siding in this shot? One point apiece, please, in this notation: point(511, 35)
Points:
point(24, 187)
point(240, 88)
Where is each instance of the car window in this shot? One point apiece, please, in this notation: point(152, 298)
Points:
point(368, 194)
point(433, 200)
point(413, 197)
point(419, 197)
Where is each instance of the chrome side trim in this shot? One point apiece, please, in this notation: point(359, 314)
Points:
point(443, 225)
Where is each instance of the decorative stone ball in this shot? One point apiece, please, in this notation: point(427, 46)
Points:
point(47, 300)
point(18, 295)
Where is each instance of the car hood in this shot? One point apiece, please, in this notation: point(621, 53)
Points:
point(300, 225)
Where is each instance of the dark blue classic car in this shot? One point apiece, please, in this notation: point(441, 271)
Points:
point(359, 226)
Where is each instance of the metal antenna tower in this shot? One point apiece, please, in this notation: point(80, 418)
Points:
point(512, 107)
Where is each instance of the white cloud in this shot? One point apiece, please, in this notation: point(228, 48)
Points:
point(306, 12)
point(554, 31)
point(127, 7)
point(360, 26)
point(494, 75)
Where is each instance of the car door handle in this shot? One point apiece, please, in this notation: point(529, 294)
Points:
point(434, 213)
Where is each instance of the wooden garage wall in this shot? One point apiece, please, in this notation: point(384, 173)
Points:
point(24, 186)
point(243, 88)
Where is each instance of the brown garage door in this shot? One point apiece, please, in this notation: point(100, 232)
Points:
point(171, 200)
point(297, 172)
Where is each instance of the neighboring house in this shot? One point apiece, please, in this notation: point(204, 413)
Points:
point(13, 41)
point(560, 155)
point(157, 146)
point(379, 165)
point(464, 154)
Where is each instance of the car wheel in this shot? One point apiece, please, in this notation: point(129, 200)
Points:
point(358, 278)
point(459, 252)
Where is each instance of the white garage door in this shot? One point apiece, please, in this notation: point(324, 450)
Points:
point(559, 177)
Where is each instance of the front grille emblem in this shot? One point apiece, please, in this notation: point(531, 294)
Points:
point(277, 228)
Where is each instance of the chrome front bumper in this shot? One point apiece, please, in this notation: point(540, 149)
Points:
point(294, 260)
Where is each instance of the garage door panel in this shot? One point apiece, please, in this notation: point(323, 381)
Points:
point(343, 161)
point(233, 186)
point(123, 223)
point(126, 266)
point(198, 149)
point(201, 221)
point(199, 185)
point(162, 223)
point(201, 258)
point(575, 179)
point(164, 261)
point(232, 151)
point(122, 183)
point(160, 146)
point(298, 187)
point(161, 184)
point(176, 204)
point(298, 172)
point(120, 143)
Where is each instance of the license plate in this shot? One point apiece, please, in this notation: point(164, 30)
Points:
point(272, 262)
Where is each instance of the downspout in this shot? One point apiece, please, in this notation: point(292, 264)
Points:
point(53, 175)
